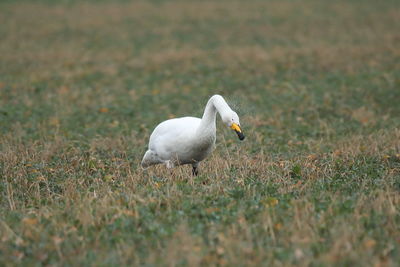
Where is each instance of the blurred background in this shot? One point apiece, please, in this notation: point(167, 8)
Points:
point(109, 67)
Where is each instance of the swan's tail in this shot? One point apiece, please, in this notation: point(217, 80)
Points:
point(150, 158)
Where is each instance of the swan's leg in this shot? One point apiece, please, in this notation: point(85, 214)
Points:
point(195, 169)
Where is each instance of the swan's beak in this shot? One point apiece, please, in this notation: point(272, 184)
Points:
point(237, 129)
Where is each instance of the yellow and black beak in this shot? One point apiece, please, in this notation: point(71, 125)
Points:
point(238, 131)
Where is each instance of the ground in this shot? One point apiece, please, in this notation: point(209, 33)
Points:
point(316, 85)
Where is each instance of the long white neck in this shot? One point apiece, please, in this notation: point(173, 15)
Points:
point(215, 104)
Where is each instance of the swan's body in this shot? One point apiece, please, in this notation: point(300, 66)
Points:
point(189, 140)
point(176, 140)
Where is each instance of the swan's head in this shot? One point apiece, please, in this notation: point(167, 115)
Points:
point(232, 120)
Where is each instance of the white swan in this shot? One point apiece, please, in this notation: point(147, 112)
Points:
point(189, 140)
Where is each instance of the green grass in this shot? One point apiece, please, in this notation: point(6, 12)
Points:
point(316, 85)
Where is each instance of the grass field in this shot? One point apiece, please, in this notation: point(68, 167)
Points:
point(316, 85)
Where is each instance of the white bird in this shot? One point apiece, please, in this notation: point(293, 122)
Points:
point(189, 140)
